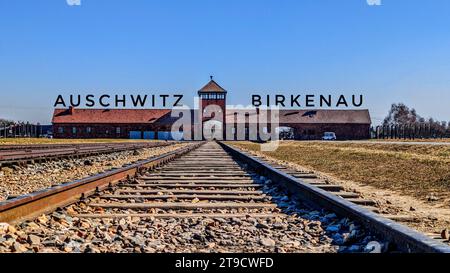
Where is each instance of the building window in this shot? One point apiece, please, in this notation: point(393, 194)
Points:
point(118, 130)
point(88, 130)
point(60, 130)
point(74, 130)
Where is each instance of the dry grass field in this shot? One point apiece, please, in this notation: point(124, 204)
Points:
point(414, 170)
point(413, 140)
point(28, 141)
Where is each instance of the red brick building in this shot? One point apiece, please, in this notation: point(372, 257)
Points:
point(157, 123)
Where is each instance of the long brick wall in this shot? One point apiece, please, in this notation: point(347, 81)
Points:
point(343, 131)
point(100, 130)
point(301, 131)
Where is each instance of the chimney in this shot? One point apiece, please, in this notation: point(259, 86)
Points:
point(71, 110)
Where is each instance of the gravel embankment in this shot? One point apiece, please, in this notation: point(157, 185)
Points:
point(297, 229)
point(21, 180)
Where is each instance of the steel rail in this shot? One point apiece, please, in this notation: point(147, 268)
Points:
point(404, 238)
point(36, 203)
point(63, 145)
point(26, 155)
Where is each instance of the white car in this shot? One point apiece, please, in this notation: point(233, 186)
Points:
point(329, 136)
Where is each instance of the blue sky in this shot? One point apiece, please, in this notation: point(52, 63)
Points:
point(396, 52)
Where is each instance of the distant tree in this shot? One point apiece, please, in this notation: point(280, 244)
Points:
point(400, 114)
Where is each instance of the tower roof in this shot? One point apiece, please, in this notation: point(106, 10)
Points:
point(212, 86)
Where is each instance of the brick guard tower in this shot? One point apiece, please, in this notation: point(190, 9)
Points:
point(213, 94)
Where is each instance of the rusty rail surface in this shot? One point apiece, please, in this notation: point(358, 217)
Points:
point(403, 237)
point(29, 153)
point(37, 203)
point(65, 145)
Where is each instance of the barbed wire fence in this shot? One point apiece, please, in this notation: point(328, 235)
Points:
point(410, 131)
point(22, 129)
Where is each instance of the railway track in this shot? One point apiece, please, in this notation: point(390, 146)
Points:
point(205, 183)
point(24, 154)
point(311, 178)
point(205, 197)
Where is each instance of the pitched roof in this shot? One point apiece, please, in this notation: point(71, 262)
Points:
point(100, 116)
point(317, 116)
point(163, 116)
point(212, 86)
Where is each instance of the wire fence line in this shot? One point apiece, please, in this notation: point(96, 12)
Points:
point(410, 131)
point(24, 129)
